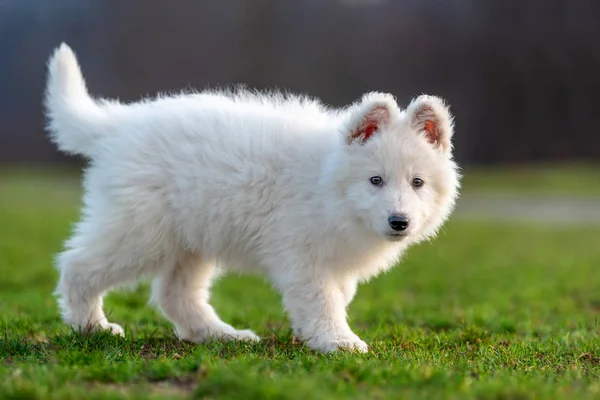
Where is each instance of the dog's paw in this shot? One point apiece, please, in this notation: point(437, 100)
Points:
point(115, 329)
point(245, 335)
point(225, 335)
point(328, 346)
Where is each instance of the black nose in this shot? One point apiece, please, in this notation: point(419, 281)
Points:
point(398, 222)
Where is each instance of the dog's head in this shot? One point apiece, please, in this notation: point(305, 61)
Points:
point(396, 169)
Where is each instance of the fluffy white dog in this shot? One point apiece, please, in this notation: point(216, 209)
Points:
point(179, 187)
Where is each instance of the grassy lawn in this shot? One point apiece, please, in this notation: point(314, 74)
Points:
point(484, 311)
point(569, 180)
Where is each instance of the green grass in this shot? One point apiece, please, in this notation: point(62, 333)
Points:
point(486, 311)
point(568, 180)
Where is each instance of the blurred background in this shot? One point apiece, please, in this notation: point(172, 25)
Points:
point(521, 77)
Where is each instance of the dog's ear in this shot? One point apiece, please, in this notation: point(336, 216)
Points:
point(370, 116)
point(430, 116)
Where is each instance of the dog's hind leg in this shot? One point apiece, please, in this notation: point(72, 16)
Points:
point(84, 279)
point(99, 256)
point(182, 292)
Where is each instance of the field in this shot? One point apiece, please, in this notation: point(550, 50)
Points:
point(488, 310)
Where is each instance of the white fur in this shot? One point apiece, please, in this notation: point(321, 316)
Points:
point(182, 185)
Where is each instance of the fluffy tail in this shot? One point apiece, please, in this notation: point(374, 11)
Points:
point(75, 120)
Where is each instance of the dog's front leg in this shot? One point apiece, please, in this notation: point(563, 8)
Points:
point(317, 307)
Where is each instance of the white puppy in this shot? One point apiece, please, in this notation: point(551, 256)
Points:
point(317, 199)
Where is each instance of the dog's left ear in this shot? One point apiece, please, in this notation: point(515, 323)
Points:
point(370, 116)
point(431, 117)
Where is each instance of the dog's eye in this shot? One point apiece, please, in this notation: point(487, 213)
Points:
point(418, 182)
point(376, 180)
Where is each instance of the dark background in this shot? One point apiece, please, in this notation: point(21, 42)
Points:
point(522, 77)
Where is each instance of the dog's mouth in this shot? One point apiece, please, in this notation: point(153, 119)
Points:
point(396, 236)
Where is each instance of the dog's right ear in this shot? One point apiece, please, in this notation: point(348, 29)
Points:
point(370, 116)
point(431, 117)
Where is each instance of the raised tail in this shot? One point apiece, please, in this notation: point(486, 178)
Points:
point(76, 121)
